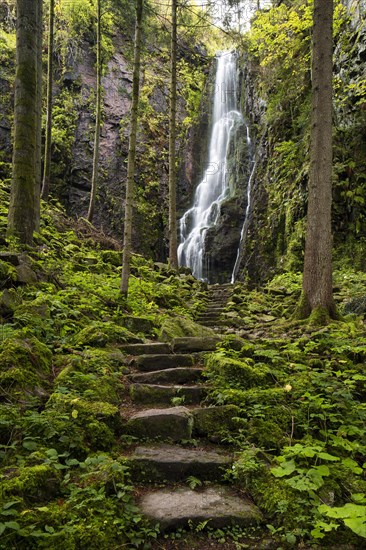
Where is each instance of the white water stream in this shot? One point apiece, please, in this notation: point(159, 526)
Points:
point(214, 187)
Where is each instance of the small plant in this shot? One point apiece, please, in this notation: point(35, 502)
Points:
point(194, 482)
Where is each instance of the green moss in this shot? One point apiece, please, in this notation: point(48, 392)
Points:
point(177, 327)
point(8, 273)
point(212, 421)
point(240, 373)
point(25, 363)
point(32, 483)
point(99, 334)
point(94, 421)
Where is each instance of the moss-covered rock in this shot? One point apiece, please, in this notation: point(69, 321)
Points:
point(25, 364)
point(99, 334)
point(9, 301)
point(80, 423)
point(240, 373)
point(137, 324)
point(37, 483)
point(212, 421)
point(179, 327)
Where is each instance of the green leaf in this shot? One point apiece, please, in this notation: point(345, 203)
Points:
point(9, 504)
point(2, 528)
point(357, 525)
point(30, 445)
point(327, 456)
point(286, 469)
point(12, 525)
point(75, 413)
point(352, 465)
point(349, 510)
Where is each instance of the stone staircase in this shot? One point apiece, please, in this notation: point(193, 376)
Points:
point(161, 374)
point(218, 296)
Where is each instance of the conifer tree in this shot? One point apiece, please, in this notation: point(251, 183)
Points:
point(130, 185)
point(317, 281)
point(173, 257)
point(24, 196)
point(48, 141)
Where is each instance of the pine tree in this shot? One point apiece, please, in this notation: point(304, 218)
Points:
point(48, 142)
point(130, 185)
point(24, 195)
point(173, 257)
point(317, 281)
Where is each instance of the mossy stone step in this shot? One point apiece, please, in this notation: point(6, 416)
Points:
point(219, 506)
point(174, 423)
point(179, 375)
point(195, 344)
point(173, 463)
point(147, 363)
point(146, 349)
point(150, 394)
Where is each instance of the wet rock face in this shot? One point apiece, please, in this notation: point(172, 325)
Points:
point(117, 87)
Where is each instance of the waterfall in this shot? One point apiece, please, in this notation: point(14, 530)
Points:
point(244, 230)
point(214, 187)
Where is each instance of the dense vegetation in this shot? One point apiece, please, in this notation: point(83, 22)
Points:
point(297, 388)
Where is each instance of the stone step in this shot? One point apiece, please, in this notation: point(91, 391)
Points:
point(154, 394)
point(146, 349)
point(219, 506)
point(179, 375)
point(174, 423)
point(195, 344)
point(208, 316)
point(173, 463)
point(148, 363)
point(215, 323)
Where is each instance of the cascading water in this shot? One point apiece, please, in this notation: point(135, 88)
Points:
point(244, 230)
point(214, 187)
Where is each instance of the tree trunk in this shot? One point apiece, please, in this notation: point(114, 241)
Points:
point(130, 185)
point(317, 282)
point(48, 141)
point(98, 109)
point(173, 257)
point(37, 198)
point(21, 220)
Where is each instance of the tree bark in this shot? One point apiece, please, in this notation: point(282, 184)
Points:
point(98, 110)
point(37, 198)
point(317, 281)
point(173, 257)
point(22, 214)
point(48, 141)
point(130, 185)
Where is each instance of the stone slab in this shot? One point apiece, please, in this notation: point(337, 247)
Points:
point(174, 423)
point(147, 363)
point(219, 506)
point(150, 394)
point(179, 375)
point(174, 463)
point(195, 344)
point(146, 349)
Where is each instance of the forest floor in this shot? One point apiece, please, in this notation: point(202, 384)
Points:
point(297, 389)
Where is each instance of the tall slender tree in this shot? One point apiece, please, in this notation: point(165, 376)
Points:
point(24, 195)
point(317, 281)
point(173, 257)
point(98, 112)
point(48, 140)
point(130, 185)
point(37, 198)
